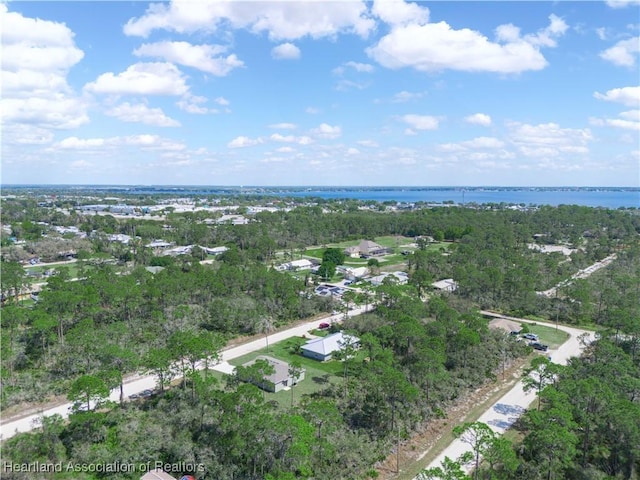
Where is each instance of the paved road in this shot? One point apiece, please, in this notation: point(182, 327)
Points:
point(137, 384)
point(579, 274)
point(506, 411)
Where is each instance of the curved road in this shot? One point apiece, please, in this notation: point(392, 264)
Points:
point(515, 402)
point(18, 424)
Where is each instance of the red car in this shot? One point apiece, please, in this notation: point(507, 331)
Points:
point(322, 326)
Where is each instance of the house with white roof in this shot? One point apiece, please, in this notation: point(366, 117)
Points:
point(323, 348)
point(215, 250)
point(353, 273)
point(296, 265)
point(446, 285)
point(399, 278)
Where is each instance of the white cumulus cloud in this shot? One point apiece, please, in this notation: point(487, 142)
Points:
point(36, 58)
point(285, 51)
point(242, 141)
point(421, 122)
point(142, 79)
point(351, 65)
point(280, 20)
point(629, 96)
point(405, 96)
point(206, 58)
point(622, 3)
point(303, 140)
point(141, 113)
point(195, 104)
point(479, 119)
point(399, 12)
point(327, 131)
point(623, 53)
point(549, 139)
point(434, 47)
point(629, 120)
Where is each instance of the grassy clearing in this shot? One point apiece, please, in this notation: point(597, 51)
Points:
point(318, 375)
point(549, 335)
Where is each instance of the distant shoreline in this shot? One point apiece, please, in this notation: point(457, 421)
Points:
point(322, 187)
point(602, 197)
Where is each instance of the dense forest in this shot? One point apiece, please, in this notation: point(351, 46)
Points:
point(419, 351)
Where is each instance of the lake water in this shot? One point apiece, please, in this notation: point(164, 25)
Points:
point(592, 198)
point(610, 197)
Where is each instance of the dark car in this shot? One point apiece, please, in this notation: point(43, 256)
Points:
point(323, 326)
point(146, 393)
point(134, 396)
point(539, 346)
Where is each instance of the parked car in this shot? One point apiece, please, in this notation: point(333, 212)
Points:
point(323, 326)
point(539, 346)
point(134, 396)
point(146, 393)
point(530, 336)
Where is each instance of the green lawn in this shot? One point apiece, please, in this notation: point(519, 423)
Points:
point(317, 374)
point(549, 335)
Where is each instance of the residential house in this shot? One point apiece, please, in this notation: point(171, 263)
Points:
point(119, 237)
point(279, 379)
point(399, 278)
point(159, 244)
point(215, 250)
point(233, 220)
point(365, 249)
point(446, 285)
point(352, 273)
point(324, 348)
point(185, 250)
point(297, 265)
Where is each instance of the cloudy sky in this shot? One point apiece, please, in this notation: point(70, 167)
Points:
point(340, 92)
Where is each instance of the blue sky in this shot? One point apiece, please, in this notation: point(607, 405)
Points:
point(321, 93)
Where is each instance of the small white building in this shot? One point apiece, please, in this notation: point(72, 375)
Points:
point(323, 348)
point(446, 285)
point(353, 273)
point(400, 278)
point(215, 250)
point(302, 264)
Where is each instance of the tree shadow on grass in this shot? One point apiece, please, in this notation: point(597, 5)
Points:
point(323, 380)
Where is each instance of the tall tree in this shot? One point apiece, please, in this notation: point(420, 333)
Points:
point(88, 389)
